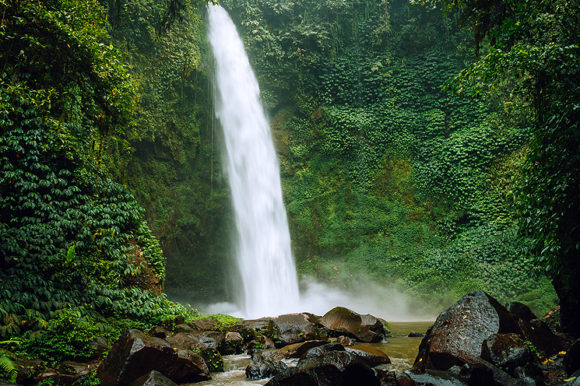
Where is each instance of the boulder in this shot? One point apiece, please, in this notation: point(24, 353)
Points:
point(262, 342)
point(506, 351)
point(431, 378)
point(298, 350)
point(135, 354)
point(233, 343)
point(294, 328)
point(332, 368)
point(154, 378)
point(210, 355)
point(322, 349)
point(264, 366)
point(205, 324)
point(572, 358)
point(159, 332)
point(262, 325)
point(185, 328)
point(369, 354)
point(364, 328)
point(520, 311)
point(344, 340)
point(247, 333)
point(459, 332)
point(212, 339)
point(541, 336)
point(185, 341)
point(415, 334)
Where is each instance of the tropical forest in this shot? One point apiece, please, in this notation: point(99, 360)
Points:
point(290, 192)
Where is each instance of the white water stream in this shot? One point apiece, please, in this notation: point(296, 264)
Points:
point(263, 256)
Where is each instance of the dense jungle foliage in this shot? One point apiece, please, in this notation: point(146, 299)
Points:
point(78, 259)
point(109, 150)
point(385, 174)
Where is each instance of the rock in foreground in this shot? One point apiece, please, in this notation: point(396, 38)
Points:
point(364, 328)
point(136, 354)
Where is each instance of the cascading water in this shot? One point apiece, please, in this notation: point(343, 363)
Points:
point(264, 258)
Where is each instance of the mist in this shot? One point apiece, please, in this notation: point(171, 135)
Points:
point(364, 297)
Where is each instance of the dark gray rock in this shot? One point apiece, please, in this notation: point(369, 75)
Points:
point(294, 328)
point(212, 339)
point(154, 378)
point(572, 358)
point(135, 354)
point(364, 328)
point(333, 368)
point(322, 349)
point(506, 351)
point(459, 332)
point(521, 311)
point(159, 332)
point(415, 334)
point(206, 324)
point(264, 366)
point(233, 343)
point(185, 328)
point(430, 378)
point(298, 350)
point(544, 340)
point(369, 355)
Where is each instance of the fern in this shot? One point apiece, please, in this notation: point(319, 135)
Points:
point(7, 368)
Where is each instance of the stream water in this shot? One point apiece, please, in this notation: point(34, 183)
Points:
point(269, 285)
point(401, 349)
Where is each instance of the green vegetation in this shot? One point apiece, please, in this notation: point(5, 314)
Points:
point(385, 174)
point(75, 245)
point(109, 154)
point(533, 65)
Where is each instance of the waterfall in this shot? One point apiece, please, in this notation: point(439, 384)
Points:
point(263, 255)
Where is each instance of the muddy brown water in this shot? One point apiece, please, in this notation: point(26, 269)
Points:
point(400, 348)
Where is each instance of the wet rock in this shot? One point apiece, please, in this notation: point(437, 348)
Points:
point(385, 377)
point(185, 341)
point(483, 373)
point(135, 354)
point(365, 328)
point(415, 334)
point(298, 350)
point(572, 358)
point(333, 368)
point(233, 343)
point(506, 351)
point(159, 332)
point(262, 325)
point(206, 324)
point(369, 355)
point(76, 369)
point(211, 356)
point(213, 359)
point(262, 342)
point(430, 378)
point(264, 366)
point(212, 339)
point(247, 333)
point(345, 341)
point(322, 349)
point(544, 340)
point(459, 332)
point(294, 328)
point(521, 311)
point(183, 328)
point(154, 378)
